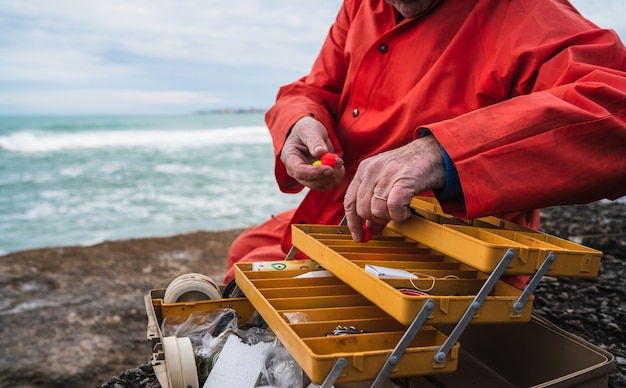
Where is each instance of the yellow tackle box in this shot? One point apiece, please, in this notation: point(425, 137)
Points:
point(452, 284)
point(398, 304)
point(321, 305)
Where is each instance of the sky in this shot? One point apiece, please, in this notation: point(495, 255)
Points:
point(170, 56)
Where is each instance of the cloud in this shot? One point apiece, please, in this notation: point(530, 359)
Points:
point(58, 66)
point(285, 34)
point(235, 53)
point(605, 13)
point(92, 55)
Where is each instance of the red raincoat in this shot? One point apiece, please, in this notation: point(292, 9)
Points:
point(526, 96)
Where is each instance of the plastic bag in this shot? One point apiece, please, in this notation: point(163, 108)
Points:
point(199, 323)
point(211, 346)
point(254, 335)
point(208, 332)
point(280, 370)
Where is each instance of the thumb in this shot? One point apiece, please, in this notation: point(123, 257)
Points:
point(313, 135)
point(318, 150)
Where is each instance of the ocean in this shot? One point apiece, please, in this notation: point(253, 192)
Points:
point(82, 180)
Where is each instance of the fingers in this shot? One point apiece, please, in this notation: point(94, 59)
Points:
point(398, 202)
point(384, 184)
point(319, 177)
point(378, 206)
point(374, 227)
point(313, 135)
point(306, 143)
point(363, 204)
point(383, 207)
point(360, 229)
point(353, 220)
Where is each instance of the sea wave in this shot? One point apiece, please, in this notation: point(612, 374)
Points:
point(39, 141)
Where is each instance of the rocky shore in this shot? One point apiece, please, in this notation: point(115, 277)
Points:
point(74, 316)
point(595, 309)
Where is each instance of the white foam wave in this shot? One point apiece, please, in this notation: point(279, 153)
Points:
point(33, 141)
point(174, 169)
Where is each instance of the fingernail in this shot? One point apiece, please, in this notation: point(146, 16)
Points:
point(355, 237)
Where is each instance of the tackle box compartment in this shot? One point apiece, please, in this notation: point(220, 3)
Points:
point(451, 284)
point(481, 243)
point(327, 303)
point(536, 354)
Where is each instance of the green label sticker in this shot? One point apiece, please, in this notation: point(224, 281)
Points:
point(279, 266)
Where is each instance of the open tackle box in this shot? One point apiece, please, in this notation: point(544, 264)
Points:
point(444, 274)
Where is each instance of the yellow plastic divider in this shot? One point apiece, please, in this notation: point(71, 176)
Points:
point(482, 248)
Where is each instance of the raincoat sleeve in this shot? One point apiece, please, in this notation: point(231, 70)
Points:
point(560, 139)
point(316, 94)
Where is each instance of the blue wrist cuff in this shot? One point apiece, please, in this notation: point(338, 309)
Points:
point(451, 190)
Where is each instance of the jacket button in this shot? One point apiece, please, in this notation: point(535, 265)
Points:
point(383, 48)
point(355, 112)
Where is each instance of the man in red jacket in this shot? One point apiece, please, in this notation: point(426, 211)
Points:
point(496, 107)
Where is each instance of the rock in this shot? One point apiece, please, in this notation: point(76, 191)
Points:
point(75, 316)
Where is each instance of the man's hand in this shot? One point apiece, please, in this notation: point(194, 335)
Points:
point(307, 142)
point(384, 184)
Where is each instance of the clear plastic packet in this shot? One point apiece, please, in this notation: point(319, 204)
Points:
point(199, 323)
point(202, 327)
point(280, 369)
point(208, 332)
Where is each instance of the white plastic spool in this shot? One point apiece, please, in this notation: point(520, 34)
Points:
point(191, 287)
point(181, 362)
point(172, 360)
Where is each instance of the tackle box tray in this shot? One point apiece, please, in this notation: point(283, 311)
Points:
point(451, 284)
point(326, 303)
point(157, 310)
point(481, 243)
